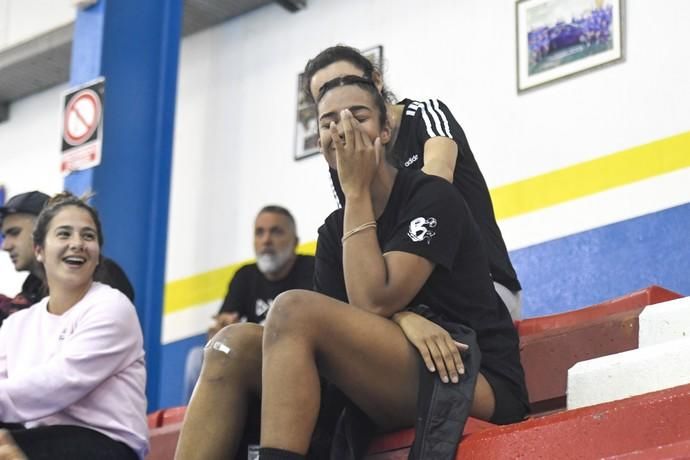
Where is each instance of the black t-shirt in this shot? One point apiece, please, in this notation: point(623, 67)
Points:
point(426, 216)
point(251, 294)
point(110, 273)
point(422, 121)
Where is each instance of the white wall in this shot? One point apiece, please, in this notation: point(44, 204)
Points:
point(236, 105)
point(234, 137)
point(29, 159)
point(21, 20)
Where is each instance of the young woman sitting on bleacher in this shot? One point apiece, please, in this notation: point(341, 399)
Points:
point(72, 373)
point(403, 288)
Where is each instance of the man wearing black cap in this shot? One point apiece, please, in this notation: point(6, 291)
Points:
point(17, 219)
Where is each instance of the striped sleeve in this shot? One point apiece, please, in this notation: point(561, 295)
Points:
point(434, 119)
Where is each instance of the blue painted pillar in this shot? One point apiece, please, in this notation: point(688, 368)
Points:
point(135, 45)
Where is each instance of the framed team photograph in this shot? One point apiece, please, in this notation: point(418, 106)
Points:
point(306, 127)
point(560, 38)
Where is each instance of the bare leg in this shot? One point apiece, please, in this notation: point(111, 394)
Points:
point(230, 378)
point(8, 449)
point(366, 356)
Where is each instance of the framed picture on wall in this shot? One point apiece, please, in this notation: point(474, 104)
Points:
point(306, 127)
point(559, 38)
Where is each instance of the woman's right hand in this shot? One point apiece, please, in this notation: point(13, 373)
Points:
point(356, 155)
point(438, 349)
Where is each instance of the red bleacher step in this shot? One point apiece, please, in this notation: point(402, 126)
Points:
point(676, 451)
point(155, 419)
point(642, 423)
point(404, 438)
point(635, 300)
point(163, 442)
point(173, 415)
point(550, 345)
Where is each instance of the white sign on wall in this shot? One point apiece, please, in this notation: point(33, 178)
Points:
point(82, 126)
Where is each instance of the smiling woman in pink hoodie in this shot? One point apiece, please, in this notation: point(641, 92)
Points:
point(72, 372)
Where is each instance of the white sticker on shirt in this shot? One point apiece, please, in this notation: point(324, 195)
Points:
point(420, 229)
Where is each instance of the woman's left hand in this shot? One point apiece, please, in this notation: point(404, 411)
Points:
point(438, 349)
point(357, 158)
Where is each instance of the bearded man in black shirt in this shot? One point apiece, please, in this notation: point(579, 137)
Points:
point(252, 289)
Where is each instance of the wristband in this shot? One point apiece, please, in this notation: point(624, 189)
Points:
point(364, 226)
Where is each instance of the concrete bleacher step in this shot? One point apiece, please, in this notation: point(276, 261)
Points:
point(665, 322)
point(550, 345)
point(630, 373)
point(660, 362)
point(546, 357)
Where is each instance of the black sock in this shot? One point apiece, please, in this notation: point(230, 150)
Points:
point(267, 453)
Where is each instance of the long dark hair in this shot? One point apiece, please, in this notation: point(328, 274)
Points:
point(368, 86)
point(53, 206)
point(341, 53)
point(364, 83)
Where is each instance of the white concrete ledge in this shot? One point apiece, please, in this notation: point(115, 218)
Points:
point(630, 373)
point(665, 322)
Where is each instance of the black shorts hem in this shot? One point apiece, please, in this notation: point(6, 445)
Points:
point(510, 406)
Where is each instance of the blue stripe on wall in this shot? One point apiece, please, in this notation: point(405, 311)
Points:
point(559, 275)
point(173, 358)
point(606, 262)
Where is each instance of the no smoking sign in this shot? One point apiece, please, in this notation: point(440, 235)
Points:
point(82, 126)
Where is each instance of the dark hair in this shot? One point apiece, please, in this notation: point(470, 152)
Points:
point(275, 209)
point(341, 53)
point(53, 206)
point(363, 83)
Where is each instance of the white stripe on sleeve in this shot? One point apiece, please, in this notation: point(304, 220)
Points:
point(427, 121)
point(443, 117)
point(434, 115)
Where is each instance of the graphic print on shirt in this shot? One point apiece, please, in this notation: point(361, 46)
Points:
point(410, 161)
point(66, 332)
point(420, 229)
point(261, 308)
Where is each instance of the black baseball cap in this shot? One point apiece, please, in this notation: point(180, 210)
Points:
point(24, 203)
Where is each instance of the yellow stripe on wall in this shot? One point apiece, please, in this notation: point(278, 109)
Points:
point(209, 286)
point(510, 200)
point(592, 177)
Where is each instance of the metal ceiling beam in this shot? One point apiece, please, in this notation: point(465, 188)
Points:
point(292, 5)
point(36, 64)
point(44, 61)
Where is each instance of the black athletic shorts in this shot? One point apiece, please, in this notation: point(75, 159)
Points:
point(510, 407)
point(68, 442)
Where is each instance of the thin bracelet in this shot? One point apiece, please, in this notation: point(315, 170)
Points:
point(364, 226)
